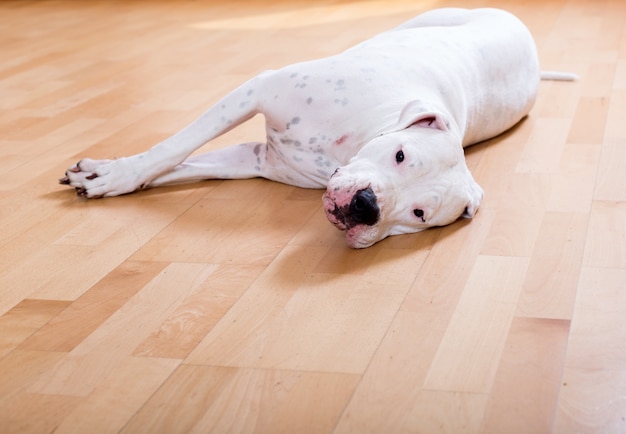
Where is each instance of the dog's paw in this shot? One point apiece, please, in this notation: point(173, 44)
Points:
point(101, 178)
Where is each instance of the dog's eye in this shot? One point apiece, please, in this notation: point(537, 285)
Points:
point(419, 214)
point(399, 156)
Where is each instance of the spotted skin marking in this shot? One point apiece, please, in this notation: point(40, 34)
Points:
point(341, 140)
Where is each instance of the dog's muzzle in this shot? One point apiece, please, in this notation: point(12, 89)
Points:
point(362, 210)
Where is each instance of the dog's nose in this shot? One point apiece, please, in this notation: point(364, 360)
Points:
point(363, 208)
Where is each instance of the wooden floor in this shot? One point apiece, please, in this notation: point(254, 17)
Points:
point(234, 306)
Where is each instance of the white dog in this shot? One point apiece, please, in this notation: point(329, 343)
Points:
point(382, 126)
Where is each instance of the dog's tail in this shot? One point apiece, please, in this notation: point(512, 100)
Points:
point(558, 76)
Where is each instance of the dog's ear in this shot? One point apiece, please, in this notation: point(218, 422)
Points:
point(418, 114)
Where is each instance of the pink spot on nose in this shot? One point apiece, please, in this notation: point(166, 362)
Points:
point(341, 139)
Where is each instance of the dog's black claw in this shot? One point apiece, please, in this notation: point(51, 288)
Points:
point(92, 176)
point(81, 192)
point(65, 180)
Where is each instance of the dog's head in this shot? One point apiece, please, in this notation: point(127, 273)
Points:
point(403, 181)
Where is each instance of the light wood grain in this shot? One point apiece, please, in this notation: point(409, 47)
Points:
point(234, 306)
point(592, 394)
point(26, 318)
point(527, 385)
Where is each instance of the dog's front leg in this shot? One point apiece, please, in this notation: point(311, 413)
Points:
point(104, 178)
point(246, 160)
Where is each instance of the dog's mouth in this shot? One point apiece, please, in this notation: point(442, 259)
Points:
point(336, 214)
point(358, 214)
point(361, 208)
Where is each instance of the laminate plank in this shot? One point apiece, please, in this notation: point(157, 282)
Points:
point(65, 271)
point(74, 96)
point(393, 383)
point(591, 401)
point(599, 80)
point(498, 162)
point(550, 285)
point(478, 327)
point(89, 364)
point(316, 234)
point(502, 241)
point(68, 329)
point(592, 398)
point(441, 281)
point(203, 399)
point(558, 99)
point(26, 318)
point(230, 223)
point(82, 266)
point(123, 394)
point(619, 82)
point(573, 181)
point(278, 321)
point(181, 332)
point(431, 411)
point(582, 130)
point(527, 385)
point(545, 145)
point(21, 369)
point(606, 241)
point(611, 181)
point(36, 413)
